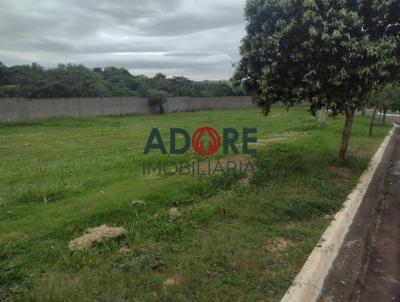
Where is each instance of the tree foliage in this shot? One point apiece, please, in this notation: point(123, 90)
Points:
point(384, 100)
point(326, 52)
point(34, 81)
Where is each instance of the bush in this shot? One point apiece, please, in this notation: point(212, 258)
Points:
point(157, 99)
point(9, 91)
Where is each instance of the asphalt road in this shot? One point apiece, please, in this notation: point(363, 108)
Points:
point(367, 268)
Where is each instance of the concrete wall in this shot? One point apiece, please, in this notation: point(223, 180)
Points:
point(20, 109)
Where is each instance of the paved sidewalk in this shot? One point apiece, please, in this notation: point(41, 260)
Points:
point(367, 268)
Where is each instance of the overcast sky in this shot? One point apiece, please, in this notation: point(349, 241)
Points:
point(195, 38)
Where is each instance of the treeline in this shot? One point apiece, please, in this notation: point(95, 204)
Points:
point(35, 81)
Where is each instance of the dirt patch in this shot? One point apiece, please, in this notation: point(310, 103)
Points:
point(343, 172)
point(244, 182)
point(137, 203)
point(249, 263)
point(292, 225)
point(95, 235)
point(365, 150)
point(174, 213)
point(125, 250)
point(172, 282)
point(277, 245)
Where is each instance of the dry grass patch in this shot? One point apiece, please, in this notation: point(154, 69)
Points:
point(278, 245)
point(249, 263)
point(279, 138)
point(174, 281)
point(342, 173)
point(174, 213)
point(94, 236)
point(244, 182)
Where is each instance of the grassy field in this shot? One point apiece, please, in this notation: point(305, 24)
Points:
point(238, 239)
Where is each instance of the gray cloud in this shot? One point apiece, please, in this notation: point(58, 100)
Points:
point(192, 22)
point(190, 54)
point(198, 39)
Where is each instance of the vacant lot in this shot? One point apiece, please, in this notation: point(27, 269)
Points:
point(236, 239)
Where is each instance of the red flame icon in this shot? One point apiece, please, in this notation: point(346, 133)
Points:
point(206, 141)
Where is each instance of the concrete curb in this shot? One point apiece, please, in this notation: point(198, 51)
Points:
point(307, 285)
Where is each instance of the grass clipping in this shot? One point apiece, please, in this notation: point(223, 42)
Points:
point(94, 236)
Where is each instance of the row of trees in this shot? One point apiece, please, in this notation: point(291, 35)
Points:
point(329, 52)
point(34, 81)
point(382, 101)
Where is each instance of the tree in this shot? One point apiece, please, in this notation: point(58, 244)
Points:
point(315, 50)
point(3, 74)
point(120, 82)
point(9, 91)
point(181, 86)
point(29, 78)
point(157, 99)
point(395, 106)
point(68, 80)
point(383, 100)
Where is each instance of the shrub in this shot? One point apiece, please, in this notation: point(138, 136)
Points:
point(157, 99)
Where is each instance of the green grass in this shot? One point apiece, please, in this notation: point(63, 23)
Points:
point(61, 176)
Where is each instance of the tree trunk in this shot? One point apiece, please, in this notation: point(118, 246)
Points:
point(384, 117)
point(349, 113)
point(371, 125)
